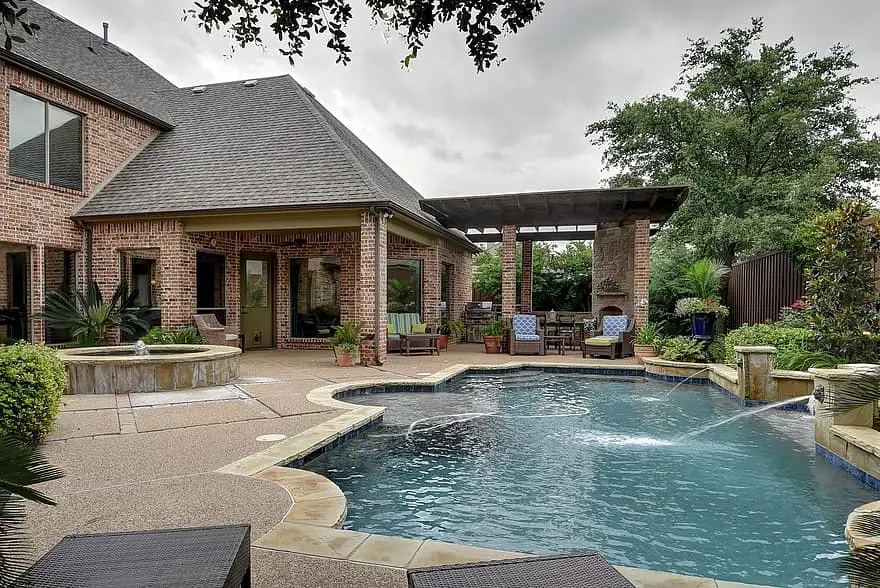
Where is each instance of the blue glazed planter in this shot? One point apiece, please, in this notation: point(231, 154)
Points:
point(702, 325)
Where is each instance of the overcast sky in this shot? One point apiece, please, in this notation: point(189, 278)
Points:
point(450, 131)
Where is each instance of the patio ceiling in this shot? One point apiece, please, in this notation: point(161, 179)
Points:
point(563, 208)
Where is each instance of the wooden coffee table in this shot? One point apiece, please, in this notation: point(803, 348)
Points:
point(558, 340)
point(419, 343)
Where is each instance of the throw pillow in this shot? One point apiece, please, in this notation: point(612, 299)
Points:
point(392, 330)
point(419, 328)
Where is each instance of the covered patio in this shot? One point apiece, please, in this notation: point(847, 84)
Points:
point(619, 222)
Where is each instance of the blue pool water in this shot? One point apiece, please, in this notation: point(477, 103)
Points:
point(555, 463)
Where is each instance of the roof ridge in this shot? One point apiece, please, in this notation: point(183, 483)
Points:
point(238, 81)
point(308, 98)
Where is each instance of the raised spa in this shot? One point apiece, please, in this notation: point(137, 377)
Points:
point(118, 370)
point(549, 463)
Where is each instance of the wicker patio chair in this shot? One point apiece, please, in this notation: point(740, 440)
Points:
point(524, 337)
point(212, 331)
point(615, 339)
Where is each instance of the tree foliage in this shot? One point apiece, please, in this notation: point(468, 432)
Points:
point(561, 279)
point(15, 23)
point(766, 138)
point(294, 22)
point(840, 286)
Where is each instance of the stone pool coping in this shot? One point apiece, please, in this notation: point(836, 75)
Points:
point(311, 525)
point(80, 355)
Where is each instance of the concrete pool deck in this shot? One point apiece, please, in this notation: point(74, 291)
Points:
point(142, 461)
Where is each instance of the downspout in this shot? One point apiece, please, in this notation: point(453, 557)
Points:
point(87, 232)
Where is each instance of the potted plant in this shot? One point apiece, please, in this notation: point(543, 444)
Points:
point(346, 341)
point(702, 312)
point(492, 334)
point(450, 327)
point(643, 344)
point(702, 281)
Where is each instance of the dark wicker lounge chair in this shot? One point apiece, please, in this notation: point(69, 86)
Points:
point(587, 570)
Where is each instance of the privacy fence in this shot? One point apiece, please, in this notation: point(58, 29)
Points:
point(760, 286)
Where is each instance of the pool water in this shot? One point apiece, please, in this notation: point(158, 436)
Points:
point(556, 463)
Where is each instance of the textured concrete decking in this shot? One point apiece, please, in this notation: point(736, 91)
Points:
point(142, 461)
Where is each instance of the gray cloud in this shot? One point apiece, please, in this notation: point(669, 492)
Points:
point(448, 130)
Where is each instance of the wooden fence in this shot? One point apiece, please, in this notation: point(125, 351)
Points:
point(759, 287)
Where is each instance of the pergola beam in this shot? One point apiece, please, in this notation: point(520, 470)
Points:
point(538, 237)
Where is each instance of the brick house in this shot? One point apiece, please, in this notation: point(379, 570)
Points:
point(246, 199)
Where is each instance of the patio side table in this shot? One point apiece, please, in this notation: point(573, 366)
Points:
point(559, 571)
point(204, 557)
point(419, 342)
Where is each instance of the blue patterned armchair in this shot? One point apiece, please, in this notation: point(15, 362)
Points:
point(616, 337)
point(524, 336)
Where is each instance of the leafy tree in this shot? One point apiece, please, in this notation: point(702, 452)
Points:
point(294, 22)
point(561, 279)
point(765, 138)
point(840, 286)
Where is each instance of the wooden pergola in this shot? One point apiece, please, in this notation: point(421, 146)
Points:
point(618, 220)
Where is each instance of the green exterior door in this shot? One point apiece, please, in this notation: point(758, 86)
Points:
point(257, 304)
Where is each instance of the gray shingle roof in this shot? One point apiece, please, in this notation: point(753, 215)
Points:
point(235, 148)
point(73, 54)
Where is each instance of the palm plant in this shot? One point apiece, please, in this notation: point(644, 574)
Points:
point(20, 468)
point(88, 316)
point(703, 279)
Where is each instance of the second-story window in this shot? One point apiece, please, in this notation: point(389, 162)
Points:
point(45, 142)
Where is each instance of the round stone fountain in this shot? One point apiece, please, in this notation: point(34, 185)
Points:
point(150, 368)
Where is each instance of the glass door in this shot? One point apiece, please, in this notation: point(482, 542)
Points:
point(257, 304)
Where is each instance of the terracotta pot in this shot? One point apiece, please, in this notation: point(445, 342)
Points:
point(492, 344)
point(641, 351)
point(444, 342)
point(344, 358)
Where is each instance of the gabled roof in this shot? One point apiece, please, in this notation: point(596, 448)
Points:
point(244, 147)
point(70, 54)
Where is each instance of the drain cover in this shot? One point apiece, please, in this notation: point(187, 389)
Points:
point(272, 437)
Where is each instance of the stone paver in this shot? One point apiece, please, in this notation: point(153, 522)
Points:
point(86, 423)
point(438, 553)
point(311, 540)
point(170, 417)
point(139, 399)
point(651, 579)
point(70, 402)
point(385, 550)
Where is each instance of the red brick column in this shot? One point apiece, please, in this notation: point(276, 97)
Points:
point(641, 271)
point(525, 285)
point(431, 287)
point(177, 280)
point(368, 286)
point(508, 270)
point(37, 291)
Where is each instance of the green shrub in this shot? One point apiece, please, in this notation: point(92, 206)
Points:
point(183, 336)
point(799, 357)
point(157, 337)
point(751, 335)
point(32, 380)
point(680, 349)
point(716, 350)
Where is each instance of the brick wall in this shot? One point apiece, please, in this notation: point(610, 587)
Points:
point(508, 270)
point(613, 259)
point(115, 243)
point(641, 272)
point(525, 286)
point(37, 215)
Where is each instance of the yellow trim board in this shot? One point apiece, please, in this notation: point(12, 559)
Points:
point(273, 221)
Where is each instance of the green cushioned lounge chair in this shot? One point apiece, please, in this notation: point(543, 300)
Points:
point(616, 334)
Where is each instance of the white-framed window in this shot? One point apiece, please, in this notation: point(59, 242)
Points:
point(45, 142)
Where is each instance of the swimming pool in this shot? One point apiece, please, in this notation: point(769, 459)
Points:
point(552, 463)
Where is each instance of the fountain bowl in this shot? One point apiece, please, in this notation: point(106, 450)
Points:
point(117, 370)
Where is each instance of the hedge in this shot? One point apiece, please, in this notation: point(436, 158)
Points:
point(774, 335)
point(32, 380)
